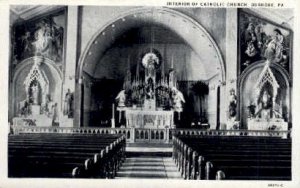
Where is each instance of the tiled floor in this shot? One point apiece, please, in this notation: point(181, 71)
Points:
point(149, 167)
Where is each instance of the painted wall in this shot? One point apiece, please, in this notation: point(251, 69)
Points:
point(93, 18)
point(213, 20)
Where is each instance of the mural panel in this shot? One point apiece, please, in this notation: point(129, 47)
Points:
point(40, 37)
point(262, 40)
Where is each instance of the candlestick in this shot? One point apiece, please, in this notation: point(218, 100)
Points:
point(172, 65)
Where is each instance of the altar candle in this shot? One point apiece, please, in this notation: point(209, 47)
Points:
point(113, 111)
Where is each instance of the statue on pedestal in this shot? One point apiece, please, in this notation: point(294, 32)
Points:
point(24, 108)
point(178, 99)
point(48, 106)
point(150, 89)
point(121, 98)
point(55, 115)
point(68, 104)
point(251, 110)
point(232, 104)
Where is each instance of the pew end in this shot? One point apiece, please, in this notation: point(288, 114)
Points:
point(76, 172)
point(220, 175)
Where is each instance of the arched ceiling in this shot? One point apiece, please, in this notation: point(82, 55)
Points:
point(190, 31)
point(134, 42)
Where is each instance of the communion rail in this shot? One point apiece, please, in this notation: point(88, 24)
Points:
point(149, 135)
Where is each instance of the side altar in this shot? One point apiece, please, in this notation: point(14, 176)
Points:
point(152, 101)
point(265, 113)
point(273, 124)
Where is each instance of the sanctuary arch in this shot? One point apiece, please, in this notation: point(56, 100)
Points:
point(177, 22)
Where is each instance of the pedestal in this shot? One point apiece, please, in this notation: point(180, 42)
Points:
point(231, 125)
point(113, 124)
point(35, 110)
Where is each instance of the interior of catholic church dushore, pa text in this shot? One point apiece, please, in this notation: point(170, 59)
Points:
point(127, 92)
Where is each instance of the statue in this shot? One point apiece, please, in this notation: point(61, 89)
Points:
point(232, 104)
point(24, 108)
point(121, 98)
point(265, 106)
point(251, 109)
point(34, 94)
point(178, 99)
point(55, 119)
point(48, 106)
point(150, 61)
point(150, 89)
point(68, 104)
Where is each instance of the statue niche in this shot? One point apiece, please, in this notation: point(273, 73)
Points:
point(37, 87)
point(266, 112)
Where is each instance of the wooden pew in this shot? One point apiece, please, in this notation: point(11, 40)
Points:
point(250, 159)
point(50, 155)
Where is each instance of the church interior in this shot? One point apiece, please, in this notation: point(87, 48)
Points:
point(150, 92)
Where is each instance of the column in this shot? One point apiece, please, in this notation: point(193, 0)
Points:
point(231, 59)
point(70, 53)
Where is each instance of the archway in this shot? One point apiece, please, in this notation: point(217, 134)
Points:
point(182, 25)
point(247, 95)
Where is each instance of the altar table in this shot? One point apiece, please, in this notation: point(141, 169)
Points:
point(148, 119)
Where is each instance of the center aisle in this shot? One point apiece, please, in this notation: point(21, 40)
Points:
point(149, 162)
point(149, 167)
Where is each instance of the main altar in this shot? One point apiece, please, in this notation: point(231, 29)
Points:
point(152, 100)
point(149, 119)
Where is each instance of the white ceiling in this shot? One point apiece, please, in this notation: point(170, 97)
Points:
point(26, 12)
point(19, 9)
point(283, 17)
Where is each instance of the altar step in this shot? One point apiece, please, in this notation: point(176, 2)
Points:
point(148, 149)
point(148, 166)
point(149, 144)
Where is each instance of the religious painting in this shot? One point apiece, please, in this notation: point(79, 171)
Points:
point(40, 37)
point(260, 39)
